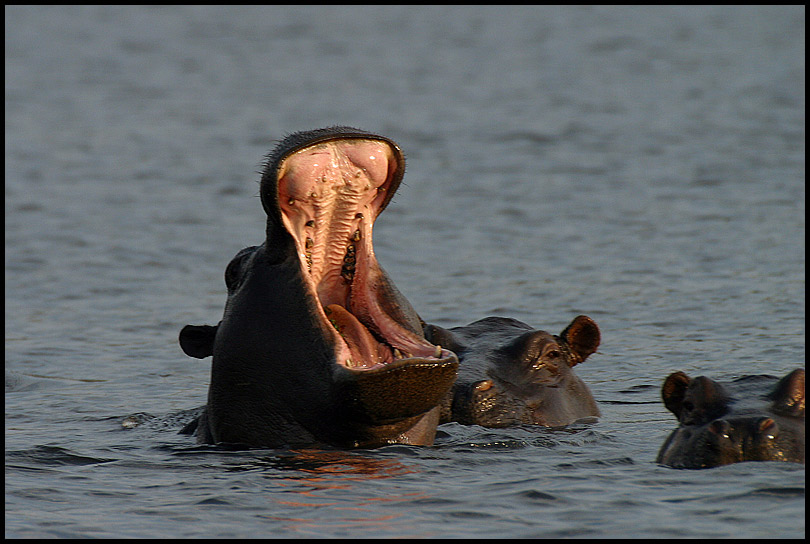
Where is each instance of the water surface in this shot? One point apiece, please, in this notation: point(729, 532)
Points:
point(643, 166)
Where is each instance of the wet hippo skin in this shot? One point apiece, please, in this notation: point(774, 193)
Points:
point(512, 374)
point(753, 418)
point(316, 345)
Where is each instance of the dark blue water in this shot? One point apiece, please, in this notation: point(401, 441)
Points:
point(643, 166)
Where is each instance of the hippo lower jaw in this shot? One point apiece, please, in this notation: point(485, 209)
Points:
point(329, 195)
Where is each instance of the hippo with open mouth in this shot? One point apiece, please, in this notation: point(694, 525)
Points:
point(316, 345)
point(753, 418)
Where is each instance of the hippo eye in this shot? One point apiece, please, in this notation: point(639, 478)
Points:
point(552, 351)
point(721, 428)
point(768, 428)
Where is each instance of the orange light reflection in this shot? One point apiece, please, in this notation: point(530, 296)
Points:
point(327, 471)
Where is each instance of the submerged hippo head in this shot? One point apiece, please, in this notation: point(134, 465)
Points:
point(754, 418)
point(316, 344)
point(512, 374)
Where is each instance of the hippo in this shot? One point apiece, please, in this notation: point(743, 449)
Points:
point(512, 374)
point(316, 346)
point(752, 418)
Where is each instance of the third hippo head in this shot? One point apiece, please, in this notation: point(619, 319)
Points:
point(752, 418)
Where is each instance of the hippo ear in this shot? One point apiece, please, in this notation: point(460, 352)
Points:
point(442, 337)
point(673, 392)
point(582, 336)
point(788, 395)
point(198, 340)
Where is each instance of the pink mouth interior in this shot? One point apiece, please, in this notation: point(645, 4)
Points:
point(330, 194)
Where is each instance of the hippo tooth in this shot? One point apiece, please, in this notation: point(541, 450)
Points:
point(438, 353)
point(397, 354)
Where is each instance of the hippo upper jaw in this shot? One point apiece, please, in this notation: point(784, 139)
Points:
point(325, 188)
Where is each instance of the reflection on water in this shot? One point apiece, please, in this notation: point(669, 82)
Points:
point(318, 464)
point(316, 479)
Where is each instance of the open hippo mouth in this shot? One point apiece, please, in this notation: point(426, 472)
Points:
point(329, 189)
point(316, 345)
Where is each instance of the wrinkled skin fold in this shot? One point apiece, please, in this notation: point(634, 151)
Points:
point(513, 374)
point(316, 345)
point(753, 418)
